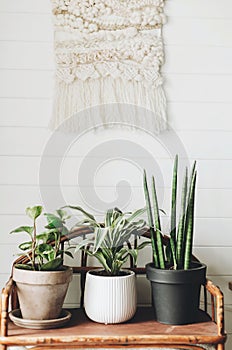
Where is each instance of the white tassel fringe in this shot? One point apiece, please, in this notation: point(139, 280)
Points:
point(86, 104)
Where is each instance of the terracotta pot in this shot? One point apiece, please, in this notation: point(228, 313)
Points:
point(41, 293)
point(110, 299)
point(176, 293)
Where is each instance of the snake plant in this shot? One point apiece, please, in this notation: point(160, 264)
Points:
point(110, 241)
point(178, 252)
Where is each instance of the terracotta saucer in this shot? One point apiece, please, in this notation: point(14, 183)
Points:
point(16, 317)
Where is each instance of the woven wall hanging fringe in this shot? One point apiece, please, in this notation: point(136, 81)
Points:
point(108, 51)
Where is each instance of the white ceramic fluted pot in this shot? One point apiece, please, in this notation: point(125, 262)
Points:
point(110, 299)
point(41, 293)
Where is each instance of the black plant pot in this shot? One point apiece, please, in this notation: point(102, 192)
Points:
point(176, 293)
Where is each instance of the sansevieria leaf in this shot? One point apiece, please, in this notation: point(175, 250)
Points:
point(150, 220)
point(178, 253)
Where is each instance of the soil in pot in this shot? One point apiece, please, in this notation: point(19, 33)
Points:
point(176, 293)
point(104, 273)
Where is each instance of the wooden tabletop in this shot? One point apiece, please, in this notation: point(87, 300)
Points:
point(142, 331)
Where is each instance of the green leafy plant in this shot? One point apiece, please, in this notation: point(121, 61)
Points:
point(110, 241)
point(178, 252)
point(41, 254)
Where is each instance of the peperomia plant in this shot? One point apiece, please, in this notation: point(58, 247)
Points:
point(178, 252)
point(110, 241)
point(41, 254)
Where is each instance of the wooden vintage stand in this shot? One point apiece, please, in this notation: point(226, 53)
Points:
point(140, 332)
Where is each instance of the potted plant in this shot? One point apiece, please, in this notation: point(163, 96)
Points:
point(110, 292)
point(41, 279)
point(175, 278)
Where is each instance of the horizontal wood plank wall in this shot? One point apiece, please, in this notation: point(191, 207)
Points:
point(198, 79)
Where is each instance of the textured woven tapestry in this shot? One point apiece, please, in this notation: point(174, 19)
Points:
point(108, 51)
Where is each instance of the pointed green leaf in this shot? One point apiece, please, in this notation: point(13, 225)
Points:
point(53, 221)
point(34, 212)
point(136, 214)
point(150, 220)
point(134, 254)
point(69, 254)
point(174, 201)
point(190, 223)
point(90, 216)
point(100, 234)
point(90, 223)
point(44, 248)
point(52, 265)
point(155, 205)
point(162, 211)
point(160, 248)
point(64, 231)
point(84, 243)
point(143, 245)
point(100, 257)
point(148, 201)
point(173, 247)
point(27, 229)
point(63, 214)
point(181, 226)
point(25, 245)
point(24, 266)
point(108, 217)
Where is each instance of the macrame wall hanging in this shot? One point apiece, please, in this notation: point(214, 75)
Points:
point(108, 51)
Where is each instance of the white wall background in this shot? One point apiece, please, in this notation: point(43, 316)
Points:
point(198, 73)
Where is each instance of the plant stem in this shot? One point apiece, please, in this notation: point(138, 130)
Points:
point(34, 246)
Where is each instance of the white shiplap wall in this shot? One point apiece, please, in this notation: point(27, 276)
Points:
point(198, 73)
